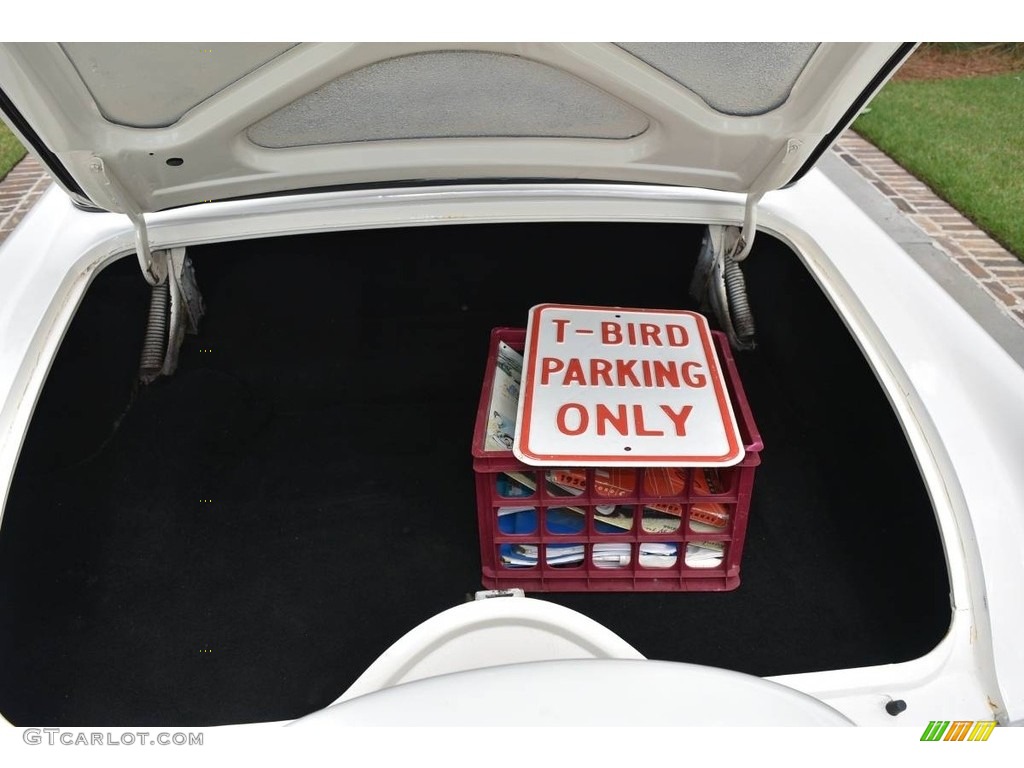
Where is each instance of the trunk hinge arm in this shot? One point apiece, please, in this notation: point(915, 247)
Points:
point(746, 239)
point(152, 263)
point(718, 281)
point(176, 305)
point(719, 286)
point(769, 179)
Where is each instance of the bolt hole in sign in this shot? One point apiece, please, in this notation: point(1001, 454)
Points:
point(604, 386)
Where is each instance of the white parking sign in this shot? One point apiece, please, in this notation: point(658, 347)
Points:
point(604, 386)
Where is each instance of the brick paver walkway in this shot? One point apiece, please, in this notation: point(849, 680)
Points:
point(19, 191)
point(988, 263)
point(981, 257)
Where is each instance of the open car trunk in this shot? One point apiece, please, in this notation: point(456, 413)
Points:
point(238, 542)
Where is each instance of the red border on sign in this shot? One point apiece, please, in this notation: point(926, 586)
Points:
point(732, 434)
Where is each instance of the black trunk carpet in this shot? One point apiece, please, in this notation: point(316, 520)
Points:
point(239, 542)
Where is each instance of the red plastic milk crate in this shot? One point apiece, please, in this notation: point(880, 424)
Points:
point(626, 520)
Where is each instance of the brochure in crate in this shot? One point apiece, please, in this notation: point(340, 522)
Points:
point(501, 414)
point(699, 554)
point(705, 516)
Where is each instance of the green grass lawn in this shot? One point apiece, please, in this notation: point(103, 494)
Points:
point(11, 150)
point(965, 139)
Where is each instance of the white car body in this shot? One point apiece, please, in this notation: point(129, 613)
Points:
point(956, 393)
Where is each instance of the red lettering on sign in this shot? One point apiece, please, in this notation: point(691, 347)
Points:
point(560, 329)
point(648, 366)
point(619, 420)
point(548, 366)
point(624, 371)
point(574, 373)
point(665, 374)
point(644, 334)
point(641, 429)
point(695, 380)
point(600, 372)
point(679, 419)
point(610, 333)
point(650, 334)
point(563, 427)
point(677, 336)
